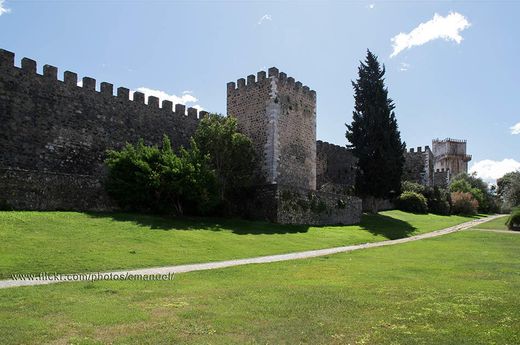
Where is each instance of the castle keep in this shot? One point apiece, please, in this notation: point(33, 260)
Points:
point(54, 136)
point(438, 166)
point(279, 115)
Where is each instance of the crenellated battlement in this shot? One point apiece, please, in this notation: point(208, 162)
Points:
point(419, 149)
point(279, 115)
point(449, 140)
point(261, 77)
point(89, 84)
point(53, 126)
point(330, 146)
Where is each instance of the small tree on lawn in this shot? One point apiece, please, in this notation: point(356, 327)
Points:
point(478, 188)
point(509, 190)
point(374, 135)
point(231, 155)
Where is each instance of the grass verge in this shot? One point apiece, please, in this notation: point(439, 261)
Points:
point(69, 242)
point(455, 289)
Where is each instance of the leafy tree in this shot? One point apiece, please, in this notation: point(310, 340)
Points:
point(477, 188)
point(153, 179)
point(439, 200)
point(374, 135)
point(508, 189)
point(410, 186)
point(231, 155)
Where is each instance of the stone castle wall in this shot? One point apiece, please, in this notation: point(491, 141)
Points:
point(54, 134)
point(279, 115)
point(441, 178)
point(248, 104)
point(335, 168)
point(418, 166)
point(438, 166)
point(293, 205)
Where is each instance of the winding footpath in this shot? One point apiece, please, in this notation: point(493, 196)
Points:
point(256, 260)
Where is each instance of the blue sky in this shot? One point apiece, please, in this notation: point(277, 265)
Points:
point(456, 75)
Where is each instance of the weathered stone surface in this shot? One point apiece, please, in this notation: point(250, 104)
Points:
point(418, 166)
point(41, 190)
point(438, 166)
point(293, 205)
point(335, 168)
point(441, 178)
point(450, 154)
point(280, 118)
point(56, 133)
point(54, 136)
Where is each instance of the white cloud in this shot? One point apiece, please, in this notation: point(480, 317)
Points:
point(371, 6)
point(515, 129)
point(404, 67)
point(447, 28)
point(264, 18)
point(3, 9)
point(187, 98)
point(80, 83)
point(490, 170)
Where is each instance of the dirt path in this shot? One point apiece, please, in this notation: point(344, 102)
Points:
point(257, 260)
point(500, 231)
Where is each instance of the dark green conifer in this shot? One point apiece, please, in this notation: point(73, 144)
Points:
point(374, 136)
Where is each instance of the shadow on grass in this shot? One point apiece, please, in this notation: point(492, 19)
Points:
point(386, 226)
point(237, 226)
point(376, 224)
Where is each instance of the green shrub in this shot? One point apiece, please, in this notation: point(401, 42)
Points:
point(412, 202)
point(152, 179)
point(409, 186)
point(438, 200)
point(513, 222)
point(463, 203)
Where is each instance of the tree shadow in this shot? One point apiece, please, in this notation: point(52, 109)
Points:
point(170, 223)
point(391, 228)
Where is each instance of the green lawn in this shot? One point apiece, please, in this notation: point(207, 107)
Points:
point(456, 289)
point(495, 224)
point(67, 242)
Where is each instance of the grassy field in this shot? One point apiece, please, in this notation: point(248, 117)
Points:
point(456, 289)
point(68, 242)
point(495, 224)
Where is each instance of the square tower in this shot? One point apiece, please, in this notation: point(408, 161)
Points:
point(450, 155)
point(279, 116)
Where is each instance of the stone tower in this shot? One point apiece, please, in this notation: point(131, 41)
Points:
point(450, 156)
point(279, 115)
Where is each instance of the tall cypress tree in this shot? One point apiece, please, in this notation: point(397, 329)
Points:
point(374, 135)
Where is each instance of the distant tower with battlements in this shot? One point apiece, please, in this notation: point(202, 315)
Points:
point(450, 155)
point(279, 115)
